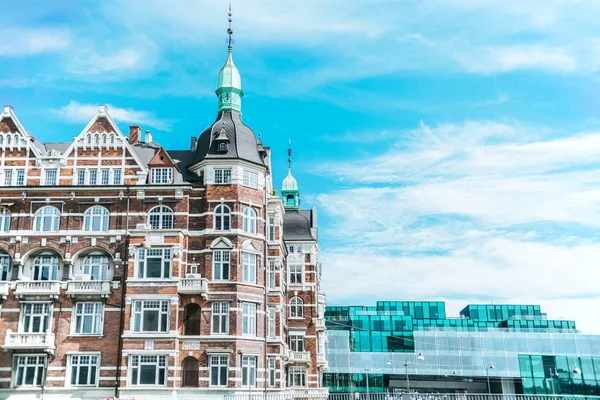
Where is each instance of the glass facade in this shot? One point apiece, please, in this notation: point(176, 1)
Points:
point(489, 348)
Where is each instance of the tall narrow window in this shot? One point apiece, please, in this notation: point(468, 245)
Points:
point(220, 318)
point(30, 370)
point(250, 179)
point(50, 177)
point(295, 274)
point(154, 263)
point(222, 176)
point(272, 364)
point(221, 264)
point(151, 316)
point(95, 219)
point(8, 177)
point(47, 219)
point(20, 177)
point(84, 369)
point(4, 220)
point(150, 370)
point(222, 218)
point(4, 267)
point(271, 328)
point(161, 217)
point(248, 371)
point(116, 175)
point(96, 267)
point(190, 372)
point(45, 268)
point(219, 370)
point(249, 220)
point(191, 319)
point(93, 176)
point(105, 175)
point(271, 281)
point(36, 317)
point(248, 319)
point(296, 307)
point(271, 228)
point(162, 175)
point(249, 267)
point(81, 176)
point(88, 318)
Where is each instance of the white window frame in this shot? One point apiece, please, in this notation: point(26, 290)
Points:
point(43, 313)
point(272, 322)
point(96, 215)
point(271, 227)
point(4, 219)
point(153, 306)
point(80, 176)
point(105, 176)
point(98, 262)
point(296, 376)
point(297, 343)
point(249, 261)
point(19, 177)
point(80, 309)
point(5, 267)
point(79, 357)
point(249, 371)
point(220, 363)
point(44, 214)
point(161, 217)
point(51, 174)
point(250, 179)
point(220, 319)
point(160, 361)
point(294, 274)
point(222, 176)
point(40, 367)
point(249, 319)
point(296, 307)
point(271, 274)
point(45, 261)
point(165, 255)
point(162, 175)
point(222, 260)
point(272, 368)
point(92, 176)
point(117, 178)
point(222, 219)
point(249, 220)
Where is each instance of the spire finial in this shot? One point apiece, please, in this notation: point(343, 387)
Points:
point(229, 30)
point(289, 155)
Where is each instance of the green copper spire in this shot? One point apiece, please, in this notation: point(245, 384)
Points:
point(229, 90)
point(289, 188)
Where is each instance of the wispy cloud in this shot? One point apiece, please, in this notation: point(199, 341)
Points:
point(26, 42)
point(76, 112)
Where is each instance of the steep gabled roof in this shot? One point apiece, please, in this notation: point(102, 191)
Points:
point(298, 225)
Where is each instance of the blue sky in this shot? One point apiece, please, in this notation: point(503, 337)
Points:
point(451, 147)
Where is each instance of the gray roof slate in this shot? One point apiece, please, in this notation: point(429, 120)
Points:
point(297, 225)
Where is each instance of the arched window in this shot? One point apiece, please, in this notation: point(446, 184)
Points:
point(249, 220)
point(89, 139)
point(191, 319)
point(45, 268)
point(296, 307)
point(4, 267)
point(97, 139)
point(161, 217)
point(104, 139)
point(4, 220)
point(222, 218)
point(190, 372)
point(96, 266)
point(1, 139)
point(95, 219)
point(112, 139)
point(47, 219)
point(8, 140)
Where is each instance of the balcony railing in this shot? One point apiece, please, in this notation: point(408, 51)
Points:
point(37, 288)
point(89, 288)
point(193, 286)
point(4, 286)
point(299, 357)
point(29, 341)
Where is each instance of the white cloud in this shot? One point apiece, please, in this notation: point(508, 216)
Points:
point(76, 112)
point(24, 42)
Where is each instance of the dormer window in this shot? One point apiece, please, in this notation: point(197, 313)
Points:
point(162, 175)
point(223, 147)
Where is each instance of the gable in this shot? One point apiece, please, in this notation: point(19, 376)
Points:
point(101, 125)
point(7, 125)
point(161, 159)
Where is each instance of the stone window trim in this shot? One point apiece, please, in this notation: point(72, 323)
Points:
point(21, 365)
point(296, 307)
point(96, 219)
point(137, 362)
point(35, 316)
point(4, 219)
point(76, 361)
point(222, 218)
point(161, 217)
point(47, 219)
point(162, 175)
point(222, 176)
point(84, 311)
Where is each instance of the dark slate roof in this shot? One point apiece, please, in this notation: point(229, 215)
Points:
point(297, 225)
point(183, 158)
point(242, 140)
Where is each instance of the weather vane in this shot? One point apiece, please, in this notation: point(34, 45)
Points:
point(289, 154)
point(229, 30)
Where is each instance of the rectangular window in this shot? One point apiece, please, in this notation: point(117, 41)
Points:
point(249, 267)
point(162, 175)
point(222, 176)
point(30, 370)
point(148, 370)
point(81, 176)
point(248, 319)
point(116, 177)
point(271, 229)
point(8, 177)
point(221, 265)
point(105, 176)
point(297, 377)
point(296, 274)
point(248, 371)
point(84, 369)
point(271, 331)
point(219, 366)
point(50, 177)
point(220, 318)
point(296, 342)
point(20, 177)
point(36, 317)
point(154, 263)
point(151, 316)
point(272, 370)
point(88, 318)
point(271, 282)
point(251, 179)
point(93, 176)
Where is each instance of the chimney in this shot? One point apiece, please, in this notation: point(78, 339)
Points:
point(148, 137)
point(134, 134)
point(193, 143)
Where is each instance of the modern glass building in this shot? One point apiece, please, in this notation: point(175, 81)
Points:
point(488, 348)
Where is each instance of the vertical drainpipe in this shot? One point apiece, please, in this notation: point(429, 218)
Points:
point(265, 263)
point(124, 272)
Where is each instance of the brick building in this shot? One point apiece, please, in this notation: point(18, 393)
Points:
point(130, 270)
